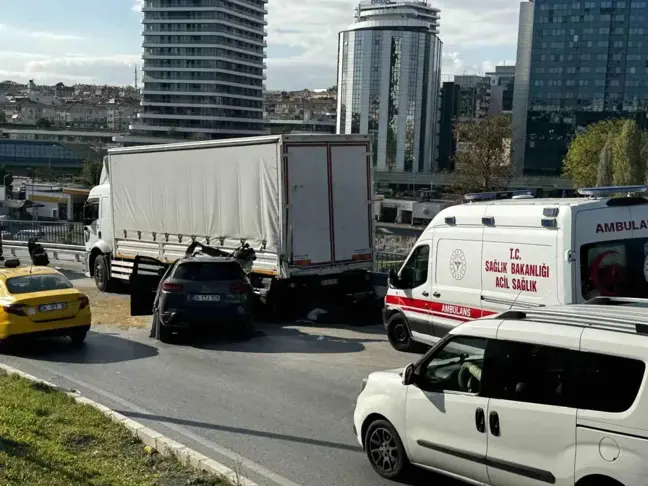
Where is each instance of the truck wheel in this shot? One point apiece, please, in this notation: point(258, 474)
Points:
point(400, 336)
point(101, 274)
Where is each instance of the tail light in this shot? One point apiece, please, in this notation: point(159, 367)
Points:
point(85, 302)
point(239, 288)
point(171, 287)
point(15, 309)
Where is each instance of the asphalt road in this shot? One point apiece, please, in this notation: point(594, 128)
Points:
point(278, 408)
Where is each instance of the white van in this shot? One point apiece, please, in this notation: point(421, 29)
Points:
point(489, 255)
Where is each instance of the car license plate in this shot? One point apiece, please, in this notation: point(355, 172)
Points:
point(331, 281)
point(51, 307)
point(206, 298)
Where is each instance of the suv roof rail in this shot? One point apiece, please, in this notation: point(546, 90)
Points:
point(492, 196)
point(608, 191)
point(630, 301)
point(632, 319)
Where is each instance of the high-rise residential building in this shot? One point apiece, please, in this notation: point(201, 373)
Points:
point(474, 96)
point(586, 61)
point(204, 64)
point(389, 75)
point(502, 89)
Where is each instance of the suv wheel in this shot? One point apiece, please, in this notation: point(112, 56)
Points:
point(400, 337)
point(385, 450)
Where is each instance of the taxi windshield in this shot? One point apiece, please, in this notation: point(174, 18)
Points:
point(37, 283)
point(617, 268)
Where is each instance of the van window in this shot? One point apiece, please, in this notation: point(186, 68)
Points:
point(457, 366)
point(614, 268)
point(415, 271)
point(561, 377)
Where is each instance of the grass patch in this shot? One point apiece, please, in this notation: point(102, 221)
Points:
point(47, 439)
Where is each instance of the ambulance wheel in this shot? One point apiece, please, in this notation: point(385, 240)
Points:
point(400, 336)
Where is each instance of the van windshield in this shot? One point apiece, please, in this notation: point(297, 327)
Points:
point(617, 268)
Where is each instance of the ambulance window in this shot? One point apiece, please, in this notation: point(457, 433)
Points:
point(415, 271)
point(614, 268)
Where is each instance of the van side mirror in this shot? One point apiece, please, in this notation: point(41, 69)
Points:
point(408, 375)
point(393, 279)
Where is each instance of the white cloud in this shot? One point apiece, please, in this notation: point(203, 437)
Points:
point(138, 5)
point(302, 38)
point(50, 36)
point(80, 68)
point(453, 64)
point(312, 26)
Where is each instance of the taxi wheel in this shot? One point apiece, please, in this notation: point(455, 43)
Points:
point(78, 337)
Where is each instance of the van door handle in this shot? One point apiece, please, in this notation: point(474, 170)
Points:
point(493, 421)
point(426, 294)
point(480, 420)
point(437, 294)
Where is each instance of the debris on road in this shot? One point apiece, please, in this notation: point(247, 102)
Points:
point(47, 438)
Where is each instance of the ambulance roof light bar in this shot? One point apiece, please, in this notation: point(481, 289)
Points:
point(492, 196)
point(608, 191)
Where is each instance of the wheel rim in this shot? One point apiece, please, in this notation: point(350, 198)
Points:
point(383, 450)
point(98, 272)
point(400, 333)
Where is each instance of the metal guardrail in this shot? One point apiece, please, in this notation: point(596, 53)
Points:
point(76, 254)
point(57, 232)
point(386, 261)
point(58, 252)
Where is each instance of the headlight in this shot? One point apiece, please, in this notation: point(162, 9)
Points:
point(364, 385)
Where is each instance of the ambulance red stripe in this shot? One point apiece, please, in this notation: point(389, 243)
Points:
point(439, 309)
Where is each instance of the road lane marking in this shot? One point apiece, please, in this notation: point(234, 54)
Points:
point(231, 455)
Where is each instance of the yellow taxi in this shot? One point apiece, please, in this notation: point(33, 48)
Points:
point(40, 301)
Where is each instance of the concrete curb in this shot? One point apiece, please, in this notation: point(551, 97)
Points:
point(162, 444)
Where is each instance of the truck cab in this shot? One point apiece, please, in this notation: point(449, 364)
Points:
point(98, 231)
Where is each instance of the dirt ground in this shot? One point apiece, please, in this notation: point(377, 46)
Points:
point(113, 309)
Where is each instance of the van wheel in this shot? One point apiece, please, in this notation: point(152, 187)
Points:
point(400, 336)
point(101, 276)
point(385, 450)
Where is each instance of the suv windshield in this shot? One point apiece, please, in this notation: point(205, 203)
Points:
point(208, 271)
point(617, 268)
point(37, 283)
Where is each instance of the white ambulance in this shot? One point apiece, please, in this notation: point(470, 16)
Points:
point(492, 254)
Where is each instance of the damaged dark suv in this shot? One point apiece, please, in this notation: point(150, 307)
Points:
point(194, 294)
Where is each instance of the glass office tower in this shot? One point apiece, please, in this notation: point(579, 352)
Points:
point(389, 76)
point(588, 62)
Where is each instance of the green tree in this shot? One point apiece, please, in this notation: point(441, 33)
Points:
point(482, 161)
point(91, 173)
point(582, 158)
point(604, 175)
point(628, 167)
point(43, 123)
point(629, 153)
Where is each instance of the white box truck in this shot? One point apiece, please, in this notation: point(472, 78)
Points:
point(303, 202)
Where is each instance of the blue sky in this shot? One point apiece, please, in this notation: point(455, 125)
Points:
point(99, 41)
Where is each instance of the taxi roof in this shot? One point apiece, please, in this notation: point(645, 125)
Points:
point(24, 270)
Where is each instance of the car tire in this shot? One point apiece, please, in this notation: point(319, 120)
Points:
point(101, 276)
point(385, 450)
point(400, 336)
point(78, 337)
point(164, 334)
